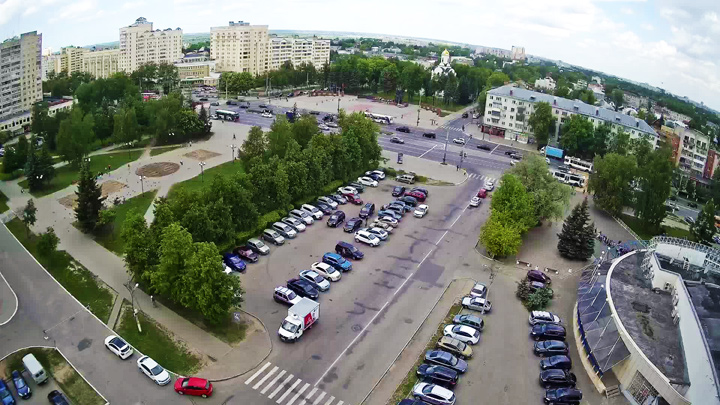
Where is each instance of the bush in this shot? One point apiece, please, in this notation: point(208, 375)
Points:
point(389, 171)
point(48, 242)
point(523, 290)
point(332, 187)
point(266, 220)
point(539, 299)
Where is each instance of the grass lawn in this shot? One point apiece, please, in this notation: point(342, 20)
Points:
point(3, 203)
point(197, 183)
point(403, 390)
point(637, 227)
point(137, 145)
point(78, 280)
point(228, 331)
point(112, 240)
point(70, 381)
point(66, 175)
point(156, 342)
point(160, 151)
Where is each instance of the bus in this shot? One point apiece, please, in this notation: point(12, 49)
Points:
point(579, 164)
point(227, 115)
point(570, 179)
point(379, 118)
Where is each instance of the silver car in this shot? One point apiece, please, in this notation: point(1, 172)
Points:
point(316, 279)
point(285, 230)
point(302, 216)
point(295, 223)
point(433, 394)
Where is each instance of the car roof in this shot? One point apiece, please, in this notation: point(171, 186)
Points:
point(333, 255)
point(465, 328)
point(147, 361)
point(322, 265)
point(254, 240)
point(553, 371)
point(282, 289)
point(552, 326)
point(197, 382)
point(544, 314)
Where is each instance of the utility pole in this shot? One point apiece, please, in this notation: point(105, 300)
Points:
point(338, 104)
point(226, 89)
point(447, 135)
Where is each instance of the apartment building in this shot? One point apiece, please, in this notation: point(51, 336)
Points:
point(546, 84)
point(321, 52)
point(194, 70)
point(298, 51)
point(101, 64)
point(50, 63)
point(694, 148)
point(20, 76)
point(240, 47)
point(140, 44)
point(508, 109)
point(71, 59)
point(21, 122)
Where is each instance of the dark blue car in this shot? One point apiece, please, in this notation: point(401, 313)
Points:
point(21, 386)
point(337, 261)
point(353, 224)
point(5, 395)
point(234, 262)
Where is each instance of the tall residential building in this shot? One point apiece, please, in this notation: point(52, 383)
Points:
point(49, 63)
point(321, 52)
point(139, 44)
point(20, 74)
point(240, 47)
point(298, 51)
point(101, 64)
point(71, 59)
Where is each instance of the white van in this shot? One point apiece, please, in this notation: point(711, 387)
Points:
point(35, 369)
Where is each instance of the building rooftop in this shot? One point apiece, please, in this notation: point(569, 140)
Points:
point(647, 317)
point(575, 106)
point(706, 300)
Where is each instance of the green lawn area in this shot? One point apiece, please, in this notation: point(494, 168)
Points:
point(112, 240)
point(78, 280)
point(66, 175)
point(3, 203)
point(137, 145)
point(156, 342)
point(228, 331)
point(70, 381)
point(197, 183)
point(637, 227)
point(161, 150)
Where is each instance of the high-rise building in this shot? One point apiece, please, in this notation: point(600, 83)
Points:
point(101, 64)
point(49, 63)
point(20, 74)
point(298, 51)
point(240, 47)
point(71, 59)
point(139, 44)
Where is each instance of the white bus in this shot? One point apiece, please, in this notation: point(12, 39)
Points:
point(379, 118)
point(570, 179)
point(579, 164)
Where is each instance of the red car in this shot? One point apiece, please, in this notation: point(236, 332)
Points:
point(198, 387)
point(353, 198)
point(482, 193)
point(246, 253)
point(418, 195)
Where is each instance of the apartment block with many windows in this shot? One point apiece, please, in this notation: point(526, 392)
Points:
point(20, 75)
point(311, 51)
point(140, 44)
point(240, 47)
point(71, 59)
point(101, 64)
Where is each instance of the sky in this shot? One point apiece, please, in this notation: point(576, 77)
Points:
point(672, 44)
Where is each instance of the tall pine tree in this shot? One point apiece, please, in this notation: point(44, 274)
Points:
point(703, 229)
point(577, 238)
point(89, 200)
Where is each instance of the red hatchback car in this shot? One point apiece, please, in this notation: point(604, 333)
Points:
point(482, 193)
point(353, 198)
point(418, 195)
point(198, 387)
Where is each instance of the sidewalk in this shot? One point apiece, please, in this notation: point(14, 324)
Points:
point(428, 168)
point(474, 130)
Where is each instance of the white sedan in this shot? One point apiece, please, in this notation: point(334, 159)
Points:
point(420, 211)
point(489, 186)
point(153, 370)
point(326, 270)
point(118, 346)
point(462, 333)
point(382, 225)
point(367, 238)
point(329, 201)
point(459, 141)
point(379, 232)
point(367, 181)
point(266, 115)
point(475, 202)
point(379, 173)
point(347, 190)
point(476, 303)
point(323, 127)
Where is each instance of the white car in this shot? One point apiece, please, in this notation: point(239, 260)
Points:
point(367, 238)
point(420, 211)
point(312, 210)
point(459, 141)
point(266, 115)
point(476, 303)
point(379, 232)
point(297, 224)
point(433, 394)
point(489, 186)
point(347, 190)
point(389, 220)
point(153, 370)
point(331, 124)
point(118, 346)
point(382, 225)
point(463, 333)
point(302, 216)
point(475, 202)
point(379, 173)
point(327, 271)
point(537, 317)
point(479, 290)
point(323, 127)
point(367, 181)
point(315, 279)
point(329, 201)
point(513, 162)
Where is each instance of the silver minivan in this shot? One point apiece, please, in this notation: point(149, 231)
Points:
point(284, 229)
point(35, 369)
point(302, 216)
point(273, 236)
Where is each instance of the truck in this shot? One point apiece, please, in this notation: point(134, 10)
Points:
point(301, 317)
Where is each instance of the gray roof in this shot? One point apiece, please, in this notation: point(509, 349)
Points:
point(570, 105)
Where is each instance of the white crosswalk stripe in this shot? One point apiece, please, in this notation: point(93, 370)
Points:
point(279, 387)
point(308, 396)
point(268, 375)
point(291, 389)
point(267, 387)
point(480, 177)
point(319, 398)
point(254, 376)
point(292, 400)
point(330, 401)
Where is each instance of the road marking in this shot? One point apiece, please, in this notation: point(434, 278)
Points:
point(267, 387)
point(491, 152)
point(308, 396)
point(329, 400)
point(287, 380)
point(268, 375)
point(317, 401)
point(341, 402)
point(424, 153)
point(289, 391)
point(254, 376)
point(298, 394)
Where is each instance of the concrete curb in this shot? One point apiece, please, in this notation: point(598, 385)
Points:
point(464, 180)
point(17, 304)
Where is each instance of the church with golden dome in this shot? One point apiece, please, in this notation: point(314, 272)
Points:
point(444, 68)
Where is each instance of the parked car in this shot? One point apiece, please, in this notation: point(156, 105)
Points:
point(285, 296)
point(6, 397)
point(379, 232)
point(367, 181)
point(352, 225)
point(482, 193)
point(324, 208)
point(692, 204)
point(327, 271)
point(273, 236)
point(470, 320)
point(400, 206)
point(391, 221)
point(690, 220)
point(484, 147)
point(21, 387)
point(354, 199)
point(336, 218)
point(479, 290)
point(323, 127)
point(347, 190)
point(194, 386)
point(417, 195)
point(475, 202)
point(266, 115)
point(246, 253)
point(489, 186)
point(367, 238)
point(302, 216)
point(296, 224)
point(454, 346)
point(312, 210)
point(398, 191)
point(367, 210)
point(329, 201)
point(462, 333)
point(550, 347)
point(382, 225)
point(433, 394)
point(390, 213)
point(548, 331)
point(440, 375)
point(465, 115)
point(153, 370)
point(258, 246)
point(374, 176)
point(409, 200)
point(339, 198)
point(563, 396)
point(337, 261)
point(303, 288)
point(557, 378)
point(56, 397)
point(537, 317)
point(537, 275)
point(403, 129)
point(446, 359)
point(397, 139)
point(357, 186)
point(318, 281)
point(476, 303)
point(345, 249)
point(379, 173)
point(234, 262)
point(118, 346)
point(422, 190)
point(331, 124)
point(560, 361)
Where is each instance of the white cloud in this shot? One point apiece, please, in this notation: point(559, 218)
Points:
point(647, 26)
point(81, 10)
point(132, 5)
point(627, 10)
point(9, 9)
point(30, 11)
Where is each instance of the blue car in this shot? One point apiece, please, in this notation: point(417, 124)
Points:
point(337, 261)
point(234, 262)
point(5, 395)
point(21, 386)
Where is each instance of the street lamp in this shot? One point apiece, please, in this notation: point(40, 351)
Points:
point(142, 186)
point(202, 170)
point(447, 134)
point(233, 147)
point(132, 302)
point(128, 144)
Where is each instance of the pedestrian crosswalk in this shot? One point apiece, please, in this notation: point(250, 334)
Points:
point(476, 176)
point(286, 389)
point(452, 127)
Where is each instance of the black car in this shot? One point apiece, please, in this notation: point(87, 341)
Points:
point(560, 361)
point(422, 190)
point(326, 209)
point(315, 112)
point(328, 118)
point(409, 200)
point(339, 199)
point(345, 249)
point(692, 204)
point(484, 147)
point(367, 210)
point(398, 191)
point(337, 218)
point(550, 347)
point(303, 288)
point(203, 99)
point(465, 115)
point(263, 106)
point(399, 206)
point(244, 106)
point(414, 401)
point(403, 129)
point(375, 177)
point(439, 375)
point(357, 186)
point(548, 331)
point(429, 135)
point(57, 398)
point(562, 396)
point(352, 225)
point(446, 359)
point(557, 378)
point(396, 139)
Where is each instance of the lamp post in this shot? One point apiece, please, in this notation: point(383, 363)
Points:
point(233, 147)
point(128, 144)
point(202, 170)
point(142, 185)
point(447, 134)
point(132, 302)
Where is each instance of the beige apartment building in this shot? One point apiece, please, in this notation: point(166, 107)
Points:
point(240, 47)
point(71, 59)
point(101, 64)
point(298, 51)
point(140, 44)
point(21, 75)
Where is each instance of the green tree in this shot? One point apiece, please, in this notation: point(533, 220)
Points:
point(550, 198)
point(563, 92)
point(390, 76)
point(714, 186)
point(254, 146)
point(539, 299)
point(498, 79)
point(513, 200)
point(619, 143)
point(175, 257)
point(135, 234)
point(618, 97)
point(577, 239)
point(48, 242)
point(654, 182)
point(39, 168)
point(542, 121)
point(22, 151)
point(89, 200)
point(611, 182)
point(577, 137)
point(601, 135)
point(168, 76)
point(279, 137)
point(126, 128)
point(481, 102)
point(29, 216)
point(642, 148)
point(690, 189)
point(703, 229)
point(40, 119)
point(304, 129)
point(500, 236)
point(76, 136)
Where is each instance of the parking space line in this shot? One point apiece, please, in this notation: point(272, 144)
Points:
point(267, 387)
point(329, 400)
point(268, 375)
point(289, 391)
point(290, 377)
point(491, 152)
point(319, 398)
point(424, 153)
point(257, 373)
point(298, 394)
point(308, 396)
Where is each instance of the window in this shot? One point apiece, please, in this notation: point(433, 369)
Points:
point(512, 109)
